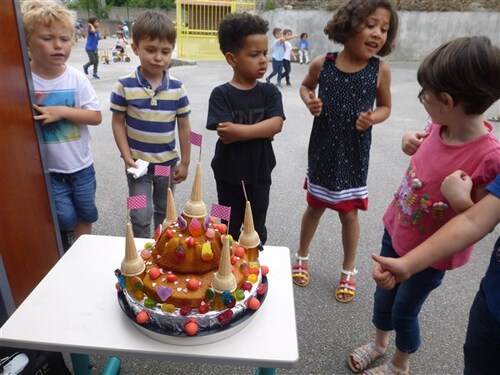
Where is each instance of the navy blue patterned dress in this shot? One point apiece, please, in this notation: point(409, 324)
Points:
point(338, 154)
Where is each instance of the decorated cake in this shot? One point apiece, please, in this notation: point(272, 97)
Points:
point(193, 278)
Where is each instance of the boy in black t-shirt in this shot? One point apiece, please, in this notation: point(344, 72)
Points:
point(246, 114)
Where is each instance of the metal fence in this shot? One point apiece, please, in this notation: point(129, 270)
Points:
point(197, 22)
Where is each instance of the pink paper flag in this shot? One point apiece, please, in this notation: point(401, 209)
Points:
point(220, 211)
point(162, 170)
point(195, 138)
point(136, 202)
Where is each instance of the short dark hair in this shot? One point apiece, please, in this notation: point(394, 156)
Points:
point(235, 27)
point(466, 68)
point(92, 19)
point(303, 35)
point(152, 25)
point(350, 18)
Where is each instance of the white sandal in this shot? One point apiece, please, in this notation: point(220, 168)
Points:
point(346, 287)
point(300, 274)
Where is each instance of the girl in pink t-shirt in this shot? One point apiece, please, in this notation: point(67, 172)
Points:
point(459, 82)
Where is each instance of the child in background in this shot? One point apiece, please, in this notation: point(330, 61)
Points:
point(278, 55)
point(339, 148)
point(91, 47)
point(246, 114)
point(482, 343)
point(303, 48)
point(288, 56)
point(66, 103)
point(146, 106)
point(455, 95)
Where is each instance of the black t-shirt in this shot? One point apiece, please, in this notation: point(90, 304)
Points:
point(251, 161)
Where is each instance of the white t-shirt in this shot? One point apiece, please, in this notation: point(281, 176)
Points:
point(288, 50)
point(66, 145)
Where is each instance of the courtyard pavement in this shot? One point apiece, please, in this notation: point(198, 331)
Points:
point(327, 330)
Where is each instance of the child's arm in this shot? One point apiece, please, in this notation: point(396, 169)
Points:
point(49, 114)
point(411, 141)
point(461, 231)
point(383, 101)
point(183, 130)
point(230, 132)
point(309, 85)
point(120, 135)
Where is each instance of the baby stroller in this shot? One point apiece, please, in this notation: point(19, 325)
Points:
point(120, 51)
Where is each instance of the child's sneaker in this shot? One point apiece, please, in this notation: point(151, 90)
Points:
point(96, 76)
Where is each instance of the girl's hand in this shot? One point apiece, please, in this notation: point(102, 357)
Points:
point(457, 188)
point(48, 114)
point(389, 271)
point(314, 104)
point(365, 120)
point(412, 141)
point(180, 174)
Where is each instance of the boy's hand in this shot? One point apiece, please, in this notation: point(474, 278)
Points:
point(49, 114)
point(228, 132)
point(412, 141)
point(364, 121)
point(180, 174)
point(314, 104)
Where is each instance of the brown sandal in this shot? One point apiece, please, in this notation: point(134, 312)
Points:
point(363, 357)
point(387, 369)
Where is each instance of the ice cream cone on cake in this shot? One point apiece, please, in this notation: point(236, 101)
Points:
point(223, 278)
point(171, 211)
point(132, 264)
point(249, 238)
point(195, 207)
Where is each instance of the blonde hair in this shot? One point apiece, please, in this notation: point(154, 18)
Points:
point(46, 12)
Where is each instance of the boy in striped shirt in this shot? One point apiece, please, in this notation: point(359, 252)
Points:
point(146, 106)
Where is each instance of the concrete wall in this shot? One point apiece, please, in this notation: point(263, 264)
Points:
point(419, 32)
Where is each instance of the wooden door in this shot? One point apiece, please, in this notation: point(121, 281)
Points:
point(28, 240)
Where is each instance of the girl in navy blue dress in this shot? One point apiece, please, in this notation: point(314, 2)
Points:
point(350, 83)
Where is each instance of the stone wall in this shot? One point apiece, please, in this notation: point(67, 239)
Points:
point(419, 32)
point(402, 5)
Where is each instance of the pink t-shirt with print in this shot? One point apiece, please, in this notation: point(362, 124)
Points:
point(419, 209)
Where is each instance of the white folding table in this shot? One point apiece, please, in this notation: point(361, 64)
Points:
point(75, 309)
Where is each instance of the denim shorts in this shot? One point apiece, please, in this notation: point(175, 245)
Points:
point(74, 197)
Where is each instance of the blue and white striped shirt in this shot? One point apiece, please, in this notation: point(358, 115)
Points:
point(150, 115)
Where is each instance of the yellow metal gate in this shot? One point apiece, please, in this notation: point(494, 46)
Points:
point(197, 22)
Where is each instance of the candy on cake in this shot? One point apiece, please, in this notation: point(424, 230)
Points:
point(195, 277)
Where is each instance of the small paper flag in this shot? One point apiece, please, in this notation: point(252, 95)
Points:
point(162, 170)
point(220, 211)
point(195, 138)
point(136, 202)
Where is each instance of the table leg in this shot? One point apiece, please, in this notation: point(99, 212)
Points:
point(265, 371)
point(112, 367)
point(81, 364)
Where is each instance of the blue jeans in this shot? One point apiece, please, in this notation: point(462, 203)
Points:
point(74, 197)
point(482, 344)
point(155, 190)
point(398, 308)
point(277, 69)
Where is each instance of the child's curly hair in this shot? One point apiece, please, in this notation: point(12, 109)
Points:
point(351, 16)
point(234, 28)
point(37, 12)
point(466, 68)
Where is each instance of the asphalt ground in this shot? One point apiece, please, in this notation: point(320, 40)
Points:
point(327, 330)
